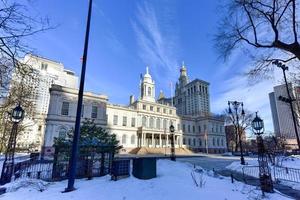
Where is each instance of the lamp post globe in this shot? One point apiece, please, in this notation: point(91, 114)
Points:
point(17, 114)
point(257, 125)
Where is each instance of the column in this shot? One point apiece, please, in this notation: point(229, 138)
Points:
point(160, 143)
point(153, 143)
point(167, 142)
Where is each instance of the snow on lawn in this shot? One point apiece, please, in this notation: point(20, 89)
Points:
point(173, 182)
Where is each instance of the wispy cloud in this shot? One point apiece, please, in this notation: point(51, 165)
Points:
point(157, 41)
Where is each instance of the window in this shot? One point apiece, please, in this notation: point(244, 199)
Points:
point(151, 108)
point(115, 120)
point(189, 141)
point(151, 122)
point(82, 110)
point(189, 128)
point(165, 110)
point(62, 133)
point(204, 127)
point(170, 112)
point(65, 108)
point(132, 122)
point(199, 128)
point(158, 109)
point(144, 107)
point(214, 142)
point(124, 138)
point(132, 139)
point(183, 127)
point(124, 121)
point(158, 123)
point(165, 124)
point(144, 121)
point(94, 112)
point(222, 142)
point(218, 141)
point(194, 142)
point(183, 141)
point(149, 91)
point(44, 66)
point(200, 142)
point(193, 129)
point(178, 127)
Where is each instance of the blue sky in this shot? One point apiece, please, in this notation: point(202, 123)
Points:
point(128, 35)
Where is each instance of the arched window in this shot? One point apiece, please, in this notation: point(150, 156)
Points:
point(149, 91)
point(158, 123)
point(165, 124)
point(151, 122)
point(144, 121)
point(62, 132)
point(124, 138)
point(132, 139)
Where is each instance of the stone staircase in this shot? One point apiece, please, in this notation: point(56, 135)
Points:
point(161, 150)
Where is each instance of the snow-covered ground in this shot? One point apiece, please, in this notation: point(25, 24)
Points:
point(173, 181)
point(282, 174)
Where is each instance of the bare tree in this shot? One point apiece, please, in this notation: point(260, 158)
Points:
point(272, 26)
point(16, 26)
point(240, 126)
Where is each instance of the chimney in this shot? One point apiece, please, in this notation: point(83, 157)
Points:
point(131, 99)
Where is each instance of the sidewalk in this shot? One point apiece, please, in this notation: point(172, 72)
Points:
point(287, 190)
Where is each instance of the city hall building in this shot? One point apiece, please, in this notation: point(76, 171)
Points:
point(142, 126)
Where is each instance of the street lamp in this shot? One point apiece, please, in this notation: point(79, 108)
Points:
point(289, 100)
point(264, 172)
point(16, 116)
point(236, 122)
point(172, 130)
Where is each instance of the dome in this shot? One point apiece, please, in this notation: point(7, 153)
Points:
point(147, 76)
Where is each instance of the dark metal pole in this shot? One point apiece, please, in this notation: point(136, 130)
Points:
point(240, 137)
point(292, 109)
point(73, 159)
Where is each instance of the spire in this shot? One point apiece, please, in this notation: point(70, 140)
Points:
point(183, 79)
point(147, 70)
point(161, 95)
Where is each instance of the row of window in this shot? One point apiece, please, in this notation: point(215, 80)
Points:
point(215, 142)
point(193, 89)
point(124, 139)
point(66, 108)
point(215, 128)
point(158, 109)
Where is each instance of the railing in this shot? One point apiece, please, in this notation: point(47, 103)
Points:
point(250, 171)
point(38, 169)
point(287, 174)
point(278, 173)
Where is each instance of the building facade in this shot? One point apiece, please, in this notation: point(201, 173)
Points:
point(282, 115)
point(48, 72)
point(143, 123)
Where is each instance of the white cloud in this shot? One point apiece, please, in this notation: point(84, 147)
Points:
point(157, 42)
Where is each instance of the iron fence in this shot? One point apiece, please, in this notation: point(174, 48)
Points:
point(38, 169)
point(286, 174)
point(279, 173)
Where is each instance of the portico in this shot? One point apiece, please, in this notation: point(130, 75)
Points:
point(156, 139)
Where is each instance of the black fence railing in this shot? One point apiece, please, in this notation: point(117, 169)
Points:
point(286, 174)
point(38, 169)
point(278, 173)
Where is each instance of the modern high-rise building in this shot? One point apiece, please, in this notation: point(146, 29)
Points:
point(282, 115)
point(48, 72)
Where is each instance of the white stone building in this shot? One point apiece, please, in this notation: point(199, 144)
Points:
point(49, 72)
point(143, 123)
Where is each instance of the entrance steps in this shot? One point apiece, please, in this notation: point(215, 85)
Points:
point(160, 150)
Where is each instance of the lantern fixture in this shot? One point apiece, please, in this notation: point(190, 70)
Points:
point(17, 114)
point(257, 125)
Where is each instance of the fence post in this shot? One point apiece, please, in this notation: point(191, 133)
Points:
point(231, 175)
